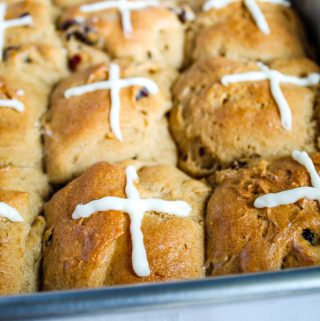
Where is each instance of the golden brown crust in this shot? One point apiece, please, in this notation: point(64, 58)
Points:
point(33, 60)
point(232, 33)
point(157, 35)
point(22, 78)
point(168, 3)
point(28, 62)
point(97, 251)
point(196, 5)
point(78, 132)
point(41, 31)
point(215, 125)
point(20, 248)
point(26, 180)
point(242, 238)
point(20, 131)
point(20, 242)
point(68, 3)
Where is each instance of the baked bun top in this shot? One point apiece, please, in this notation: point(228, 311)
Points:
point(96, 251)
point(22, 80)
point(215, 125)
point(231, 32)
point(243, 238)
point(78, 132)
point(24, 190)
point(156, 34)
point(41, 31)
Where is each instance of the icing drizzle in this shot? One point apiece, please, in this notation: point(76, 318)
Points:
point(4, 24)
point(10, 213)
point(253, 8)
point(114, 84)
point(135, 207)
point(295, 194)
point(124, 7)
point(12, 103)
point(275, 78)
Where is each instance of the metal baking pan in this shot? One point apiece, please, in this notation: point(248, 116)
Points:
point(135, 301)
point(162, 297)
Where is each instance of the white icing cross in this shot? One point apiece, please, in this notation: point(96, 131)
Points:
point(275, 78)
point(124, 6)
point(135, 207)
point(12, 103)
point(295, 194)
point(10, 213)
point(4, 24)
point(114, 84)
point(252, 7)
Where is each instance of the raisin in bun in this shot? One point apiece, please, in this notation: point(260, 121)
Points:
point(242, 238)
